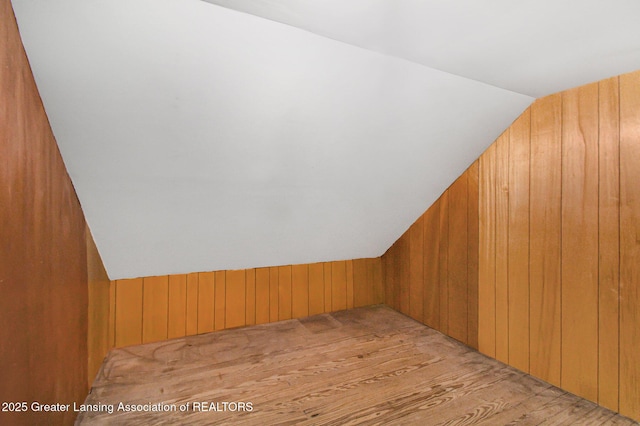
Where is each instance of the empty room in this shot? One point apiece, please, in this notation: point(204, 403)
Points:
point(262, 212)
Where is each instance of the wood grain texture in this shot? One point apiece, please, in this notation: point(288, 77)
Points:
point(473, 241)
point(402, 271)
point(300, 291)
point(338, 285)
point(284, 292)
point(629, 244)
point(263, 296)
point(349, 266)
point(112, 314)
point(176, 320)
point(327, 286)
point(155, 308)
point(518, 249)
point(443, 268)
point(206, 297)
point(192, 304)
point(250, 297)
point(545, 238)
point(220, 299)
point(487, 254)
point(235, 299)
point(608, 243)
point(362, 291)
point(274, 297)
point(457, 260)
point(580, 241)
point(416, 270)
point(502, 247)
point(316, 288)
point(128, 312)
point(431, 292)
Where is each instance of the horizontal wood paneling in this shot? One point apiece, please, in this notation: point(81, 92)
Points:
point(154, 308)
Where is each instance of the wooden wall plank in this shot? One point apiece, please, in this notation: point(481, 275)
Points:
point(220, 310)
point(155, 308)
point(416, 270)
point(112, 314)
point(349, 284)
point(284, 292)
point(629, 244)
point(192, 304)
point(338, 285)
point(300, 290)
point(273, 294)
point(487, 254)
point(402, 273)
point(250, 297)
point(392, 294)
point(457, 260)
point(128, 324)
point(316, 288)
point(374, 272)
point(545, 234)
point(327, 286)
point(472, 254)
point(206, 293)
point(518, 250)
point(502, 247)
point(443, 262)
point(609, 243)
point(362, 290)
point(431, 268)
point(177, 319)
point(235, 299)
point(263, 296)
point(579, 372)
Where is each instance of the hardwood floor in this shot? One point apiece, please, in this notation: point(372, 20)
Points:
point(362, 366)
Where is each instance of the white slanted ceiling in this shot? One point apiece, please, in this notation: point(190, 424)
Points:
point(203, 138)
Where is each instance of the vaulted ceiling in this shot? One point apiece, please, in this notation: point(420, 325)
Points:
point(242, 133)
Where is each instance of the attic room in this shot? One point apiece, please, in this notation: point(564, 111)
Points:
point(277, 211)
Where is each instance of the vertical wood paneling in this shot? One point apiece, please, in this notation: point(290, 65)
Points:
point(457, 260)
point(338, 285)
point(362, 290)
point(431, 292)
point(235, 299)
point(374, 272)
point(273, 294)
point(327, 286)
point(545, 238)
point(502, 246)
point(155, 308)
point(518, 250)
point(316, 288)
point(250, 298)
point(402, 273)
point(128, 329)
point(220, 311)
point(416, 270)
point(112, 314)
point(580, 241)
point(443, 262)
point(192, 304)
point(630, 244)
point(472, 254)
point(176, 321)
point(487, 254)
point(300, 291)
point(206, 292)
point(609, 243)
point(284, 292)
point(349, 284)
point(262, 296)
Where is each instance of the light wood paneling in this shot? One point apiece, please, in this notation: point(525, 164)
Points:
point(608, 243)
point(416, 270)
point(327, 286)
point(155, 308)
point(502, 247)
point(250, 298)
point(176, 321)
point(630, 244)
point(112, 314)
point(128, 312)
point(263, 296)
point(220, 298)
point(338, 285)
point(350, 284)
point(431, 292)
point(580, 241)
point(374, 271)
point(472, 254)
point(273, 294)
point(361, 296)
point(206, 293)
point(518, 249)
point(545, 235)
point(284, 292)
point(457, 260)
point(192, 304)
point(300, 291)
point(316, 288)
point(235, 299)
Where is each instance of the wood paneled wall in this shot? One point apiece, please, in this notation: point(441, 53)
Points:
point(431, 272)
point(156, 308)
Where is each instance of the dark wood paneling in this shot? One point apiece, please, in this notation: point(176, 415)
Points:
point(431, 292)
point(99, 294)
point(416, 270)
point(443, 267)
